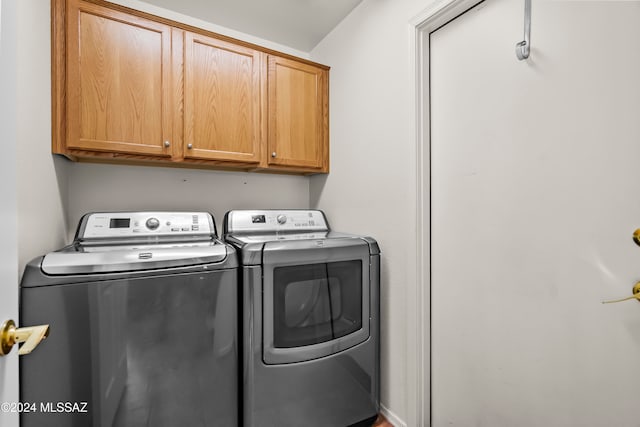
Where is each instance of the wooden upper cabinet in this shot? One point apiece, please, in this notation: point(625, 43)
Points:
point(223, 100)
point(118, 82)
point(297, 114)
point(132, 87)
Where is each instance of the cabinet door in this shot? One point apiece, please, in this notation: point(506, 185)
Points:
point(298, 135)
point(118, 82)
point(222, 100)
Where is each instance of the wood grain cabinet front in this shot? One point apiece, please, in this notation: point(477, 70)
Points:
point(297, 115)
point(129, 87)
point(118, 82)
point(222, 100)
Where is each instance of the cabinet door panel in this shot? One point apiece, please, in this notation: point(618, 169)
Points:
point(223, 100)
point(118, 82)
point(297, 116)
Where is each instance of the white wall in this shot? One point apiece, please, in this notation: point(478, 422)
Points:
point(372, 185)
point(41, 177)
point(96, 187)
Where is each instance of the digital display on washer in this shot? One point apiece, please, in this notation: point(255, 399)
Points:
point(258, 219)
point(119, 223)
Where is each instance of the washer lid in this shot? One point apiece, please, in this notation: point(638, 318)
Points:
point(80, 259)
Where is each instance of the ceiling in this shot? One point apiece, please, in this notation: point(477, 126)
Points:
point(299, 24)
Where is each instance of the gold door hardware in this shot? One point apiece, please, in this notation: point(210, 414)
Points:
point(31, 337)
point(635, 291)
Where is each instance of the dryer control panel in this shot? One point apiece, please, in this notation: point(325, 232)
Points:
point(104, 225)
point(266, 221)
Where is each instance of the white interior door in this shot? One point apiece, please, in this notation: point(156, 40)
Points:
point(535, 196)
point(8, 205)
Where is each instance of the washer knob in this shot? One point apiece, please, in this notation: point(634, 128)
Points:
point(281, 219)
point(153, 223)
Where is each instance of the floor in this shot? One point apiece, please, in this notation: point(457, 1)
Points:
point(382, 422)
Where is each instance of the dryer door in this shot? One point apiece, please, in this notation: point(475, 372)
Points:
point(315, 298)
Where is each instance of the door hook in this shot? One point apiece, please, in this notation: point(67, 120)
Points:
point(524, 47)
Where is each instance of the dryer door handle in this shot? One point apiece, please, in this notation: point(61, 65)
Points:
point(290, 252)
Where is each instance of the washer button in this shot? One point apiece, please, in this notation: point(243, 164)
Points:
point(153, 223)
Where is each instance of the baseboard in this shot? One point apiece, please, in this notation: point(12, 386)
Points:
point(391, 417)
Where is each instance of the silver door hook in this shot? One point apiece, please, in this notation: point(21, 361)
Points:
point(524, 47)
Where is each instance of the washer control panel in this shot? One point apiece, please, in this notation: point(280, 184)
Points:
point(138, 224)
point(266, 221)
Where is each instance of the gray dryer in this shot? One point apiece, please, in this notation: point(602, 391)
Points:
point(310, 313)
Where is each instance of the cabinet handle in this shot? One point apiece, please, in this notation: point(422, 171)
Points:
point(167, 144)
point(273, 154)
point(189, 146)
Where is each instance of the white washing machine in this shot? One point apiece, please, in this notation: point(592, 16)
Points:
point(142, 309)
point(310, 314)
